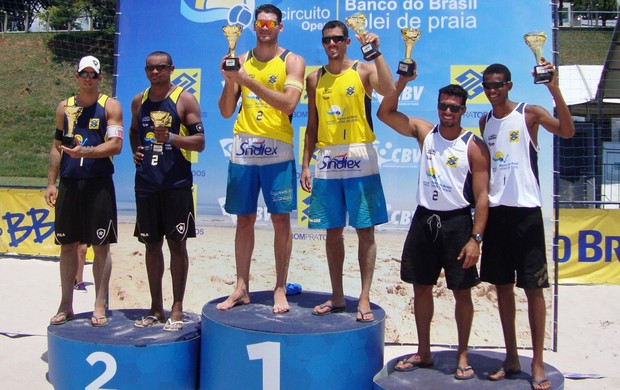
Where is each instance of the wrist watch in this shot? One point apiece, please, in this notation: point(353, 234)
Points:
point(478, 237)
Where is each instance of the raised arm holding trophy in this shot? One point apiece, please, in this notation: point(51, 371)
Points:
point(406, 67)
point(357, 22)
point(535, 40)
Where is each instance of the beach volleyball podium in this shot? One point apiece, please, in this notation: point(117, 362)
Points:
point(121, 356)
point(249, 347)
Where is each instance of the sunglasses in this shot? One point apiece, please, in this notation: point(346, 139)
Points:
point(493, 84)
point(159, 67)
point(335, 38)
point(266, 23)
point(88, 75)
point(453, 107)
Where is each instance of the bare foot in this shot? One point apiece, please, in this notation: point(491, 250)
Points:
point(235, 299)
point(280, 303)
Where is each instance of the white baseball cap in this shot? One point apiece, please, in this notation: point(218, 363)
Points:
point(89, 62)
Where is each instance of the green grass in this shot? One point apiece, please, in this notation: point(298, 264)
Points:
point(584, 46)
point(36, 72)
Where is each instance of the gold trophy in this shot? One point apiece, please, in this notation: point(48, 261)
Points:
point(357, 22)
point(72, 113)
point(406, 67)
point(160, 119)
point(535, 40)
point(232, 33)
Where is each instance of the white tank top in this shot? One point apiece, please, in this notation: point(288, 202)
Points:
point(444, 182)
point(514, 161)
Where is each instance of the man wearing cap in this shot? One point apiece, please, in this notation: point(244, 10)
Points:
point(85, 201)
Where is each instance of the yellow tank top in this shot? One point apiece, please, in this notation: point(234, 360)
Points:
point(257, 117)
point(344, 109)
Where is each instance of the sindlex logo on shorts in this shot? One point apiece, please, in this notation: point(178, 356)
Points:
point(207, 11)
point(339, 162)
point(256, 149)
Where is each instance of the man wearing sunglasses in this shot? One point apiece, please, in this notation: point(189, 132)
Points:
point(270, 83)
point(515, 238)
point(346, 178)
point(163, 182)
point(453, 179)
point(85, 202)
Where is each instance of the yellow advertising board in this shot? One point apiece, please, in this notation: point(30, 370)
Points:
point(26, 223)
point(589, 246)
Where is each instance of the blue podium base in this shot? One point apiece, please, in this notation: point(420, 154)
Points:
point(441, 374)
point(121, 356)
point(249, 347)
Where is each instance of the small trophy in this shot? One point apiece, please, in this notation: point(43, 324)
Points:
point(160, 119)
point(72, 113)
point(232, 33)
point(406, 67)
point(535, 40)
point(357, 22)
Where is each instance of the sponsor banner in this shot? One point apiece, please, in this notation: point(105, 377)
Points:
point(589, 246)
point(26, 223)
point(459, 39)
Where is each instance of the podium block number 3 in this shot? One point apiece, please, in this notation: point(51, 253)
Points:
point(269, 353)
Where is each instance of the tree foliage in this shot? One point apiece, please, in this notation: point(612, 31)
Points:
point(60, 14)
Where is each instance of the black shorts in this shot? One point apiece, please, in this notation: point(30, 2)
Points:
point(86, 211)
point(168, 213)
point(434, 241)
point(514, 241)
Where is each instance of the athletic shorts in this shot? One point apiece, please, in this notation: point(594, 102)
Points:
point(434, 241)
point(261, 164)
point(86, 211)
point(347, 182)
point(514, 241)
point(168, 213)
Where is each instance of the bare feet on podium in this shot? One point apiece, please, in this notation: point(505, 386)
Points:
point(280, 303)
point(235, 299)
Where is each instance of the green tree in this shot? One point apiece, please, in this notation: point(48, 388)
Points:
point(21, 13)
point(602, 9)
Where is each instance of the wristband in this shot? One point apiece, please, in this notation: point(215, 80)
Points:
point(58, 134)
point(171, 137)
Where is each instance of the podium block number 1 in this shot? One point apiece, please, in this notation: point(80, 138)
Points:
point(269, 353)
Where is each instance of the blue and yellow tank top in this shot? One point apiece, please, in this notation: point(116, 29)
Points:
point(173, 168)
point(344, 108)
point(257, 117)
point(90, 130)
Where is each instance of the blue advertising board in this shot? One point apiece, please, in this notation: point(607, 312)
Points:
point(459, 39)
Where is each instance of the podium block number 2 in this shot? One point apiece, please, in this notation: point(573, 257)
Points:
point(110, 369)
point(269, 353)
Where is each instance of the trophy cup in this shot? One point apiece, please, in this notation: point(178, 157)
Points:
point(357, 22)
point(406, 67)
point(72, 113)
point(160, 119)
point(232, 33)
point(535, 40)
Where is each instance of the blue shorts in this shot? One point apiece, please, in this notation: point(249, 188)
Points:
point(347, 181)
point(259, 163)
